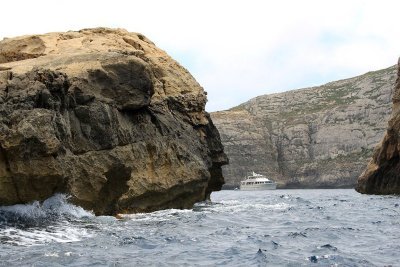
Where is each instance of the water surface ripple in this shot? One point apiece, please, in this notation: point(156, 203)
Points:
point(263, 228)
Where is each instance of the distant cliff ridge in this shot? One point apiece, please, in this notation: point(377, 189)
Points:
point(106, 117)
point(382, 175)
point(319, 137)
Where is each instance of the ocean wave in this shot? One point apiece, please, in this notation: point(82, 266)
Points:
point(53, 207)
point(161, 215)
point(30, 237)
point(53, 220)
point(237, 206)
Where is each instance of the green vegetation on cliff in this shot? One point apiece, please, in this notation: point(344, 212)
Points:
point(321, 136)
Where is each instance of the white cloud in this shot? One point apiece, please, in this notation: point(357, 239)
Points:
point(237, 49)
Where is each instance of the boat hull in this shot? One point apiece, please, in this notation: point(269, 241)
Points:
point(256, 187)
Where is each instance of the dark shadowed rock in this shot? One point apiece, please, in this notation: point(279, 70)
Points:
point(382, 175)
point(107, 117)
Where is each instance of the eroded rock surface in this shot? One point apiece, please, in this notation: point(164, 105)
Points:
point(107, 117)
point(382, 175)
point(319, 137)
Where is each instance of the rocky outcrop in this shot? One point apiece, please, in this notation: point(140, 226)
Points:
point(106, 117)
point(319, 137)
point(382, 175)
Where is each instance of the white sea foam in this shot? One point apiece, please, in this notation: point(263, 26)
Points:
point(40, 223)
point(236, 206)
point(55, 205)
point(33, 210)
point(161, 215)
point(51, 254)
point(230, 202)
point(30, 237)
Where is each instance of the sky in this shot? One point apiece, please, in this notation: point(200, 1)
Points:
point(236, 49)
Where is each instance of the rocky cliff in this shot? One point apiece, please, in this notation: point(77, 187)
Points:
point(382, 175)
point(319, 137)
point(107, 117)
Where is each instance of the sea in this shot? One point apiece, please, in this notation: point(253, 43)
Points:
point(236, 228)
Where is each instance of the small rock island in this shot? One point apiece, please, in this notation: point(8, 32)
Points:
point(107, 117)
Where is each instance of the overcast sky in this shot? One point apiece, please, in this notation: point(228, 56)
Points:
point(237, 49)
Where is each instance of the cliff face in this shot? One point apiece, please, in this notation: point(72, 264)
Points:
point(320, 137)
point(382, 175)
point(107, 117)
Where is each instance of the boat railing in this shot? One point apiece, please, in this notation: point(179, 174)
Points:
point(253, 174)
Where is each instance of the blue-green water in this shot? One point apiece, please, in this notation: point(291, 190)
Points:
point(263, 228)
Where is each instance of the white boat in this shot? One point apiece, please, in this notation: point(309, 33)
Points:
point(257, 182)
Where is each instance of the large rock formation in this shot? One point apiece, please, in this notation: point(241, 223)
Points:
point(319, 137)
point(382, 175)
point(107, 117)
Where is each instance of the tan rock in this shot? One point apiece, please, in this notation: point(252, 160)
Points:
point(107, 117)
